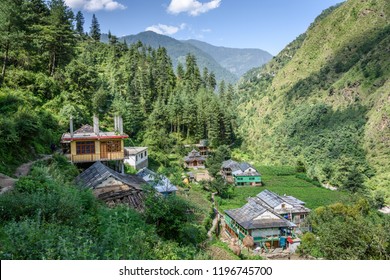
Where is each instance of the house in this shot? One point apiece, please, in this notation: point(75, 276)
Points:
point(90, 144)
point(194, 160)
point(240, 174)
point(289, 207)
point(268, 218)
point(137, 157)
point(112, 187)
point(203, 147)
point(160, 182)
point(256, 220)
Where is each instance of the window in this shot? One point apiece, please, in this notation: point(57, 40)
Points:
point(83, 148)
point(302, 216)
point(114, 146)
point(146, 154)
point(283, 205)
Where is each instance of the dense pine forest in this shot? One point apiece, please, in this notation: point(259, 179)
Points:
point(52, 69)
point(316, 115)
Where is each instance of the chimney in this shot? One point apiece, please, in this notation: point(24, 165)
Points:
point(71, 126)
point(120, 120)
point(115, 123)
point(95, 124)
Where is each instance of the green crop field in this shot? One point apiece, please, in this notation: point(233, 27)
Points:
point(284, 180)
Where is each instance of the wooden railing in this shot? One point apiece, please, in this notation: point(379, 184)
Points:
point(96, 157)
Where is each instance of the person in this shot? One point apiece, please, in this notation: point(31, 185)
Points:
point(53, 147)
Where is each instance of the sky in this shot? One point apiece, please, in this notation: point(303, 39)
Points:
point(263, 24)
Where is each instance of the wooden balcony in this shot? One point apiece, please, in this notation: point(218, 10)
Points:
point(95, 157)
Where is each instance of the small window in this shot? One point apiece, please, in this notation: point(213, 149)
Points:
point(145, 154)
point(302, 216)
point(283, 205)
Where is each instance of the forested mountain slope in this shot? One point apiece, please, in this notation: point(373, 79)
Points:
point(324, 101)
point(178, 51)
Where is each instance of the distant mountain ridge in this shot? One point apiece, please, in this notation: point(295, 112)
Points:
point(227, 63)
point(237, 61)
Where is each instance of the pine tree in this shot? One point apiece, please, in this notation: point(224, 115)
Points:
point(58, 35)
point(80, 23)
point(95, 29)
point(12, 29)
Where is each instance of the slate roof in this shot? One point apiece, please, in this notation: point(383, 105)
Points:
point(239, 168)
point(160, 182)
point(272, 200)
point(246, 215)
point(194, 155)
point(98, 173)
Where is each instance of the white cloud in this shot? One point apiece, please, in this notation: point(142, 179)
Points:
point(192, 7)
point(95, 5)
point(166, 29)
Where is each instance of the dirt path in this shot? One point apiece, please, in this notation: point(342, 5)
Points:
point(216, 219)
point(7, 183)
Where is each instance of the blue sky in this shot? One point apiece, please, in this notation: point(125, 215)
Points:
point(265, 24)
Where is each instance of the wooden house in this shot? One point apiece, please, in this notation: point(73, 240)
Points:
point(268, 218)
point(240, 174)
point(158, 181)
point(137, 157)
point(194, 160)
point(112, 187)
point(289, 207)
point(256, 220)
point(90, 144)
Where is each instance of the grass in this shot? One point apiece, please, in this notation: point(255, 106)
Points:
point(283, 180)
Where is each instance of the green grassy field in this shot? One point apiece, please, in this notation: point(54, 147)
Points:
point(283, 180)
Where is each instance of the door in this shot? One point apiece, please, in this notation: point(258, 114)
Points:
point(103, 150)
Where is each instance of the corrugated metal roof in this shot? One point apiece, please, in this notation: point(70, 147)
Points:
point(273, 200)
point(98, 173)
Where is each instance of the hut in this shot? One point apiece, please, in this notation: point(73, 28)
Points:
point(112, 187)
point(240, 174)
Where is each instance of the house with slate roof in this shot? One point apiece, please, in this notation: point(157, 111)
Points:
point(240, 174)
point(160, 182)
point(194, 160)
point(113, 187)
point(289, 207)
point(263, 219)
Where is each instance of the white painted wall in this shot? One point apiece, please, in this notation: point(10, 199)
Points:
point(265, 232)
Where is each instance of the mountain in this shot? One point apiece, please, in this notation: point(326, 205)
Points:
point(324, 101)
point(237, 61)
point(227, 63)
point(178, 51)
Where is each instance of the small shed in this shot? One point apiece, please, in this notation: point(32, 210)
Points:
point(137, 157)
point(160, 182)
point(112, 187)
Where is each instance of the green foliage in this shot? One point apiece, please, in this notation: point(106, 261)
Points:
point(347, 232)
point(322, 100)
point(174, 218)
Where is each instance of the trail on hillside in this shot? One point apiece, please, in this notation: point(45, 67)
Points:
point(7, 183)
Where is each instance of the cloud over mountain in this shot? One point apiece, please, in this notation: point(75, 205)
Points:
point(165, 29)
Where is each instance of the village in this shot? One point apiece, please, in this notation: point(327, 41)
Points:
point(268, 224)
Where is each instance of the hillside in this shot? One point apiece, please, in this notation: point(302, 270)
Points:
point(237, 61)
point(324, 100)
point(178, 51)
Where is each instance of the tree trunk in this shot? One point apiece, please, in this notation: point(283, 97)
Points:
point(4, 63)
